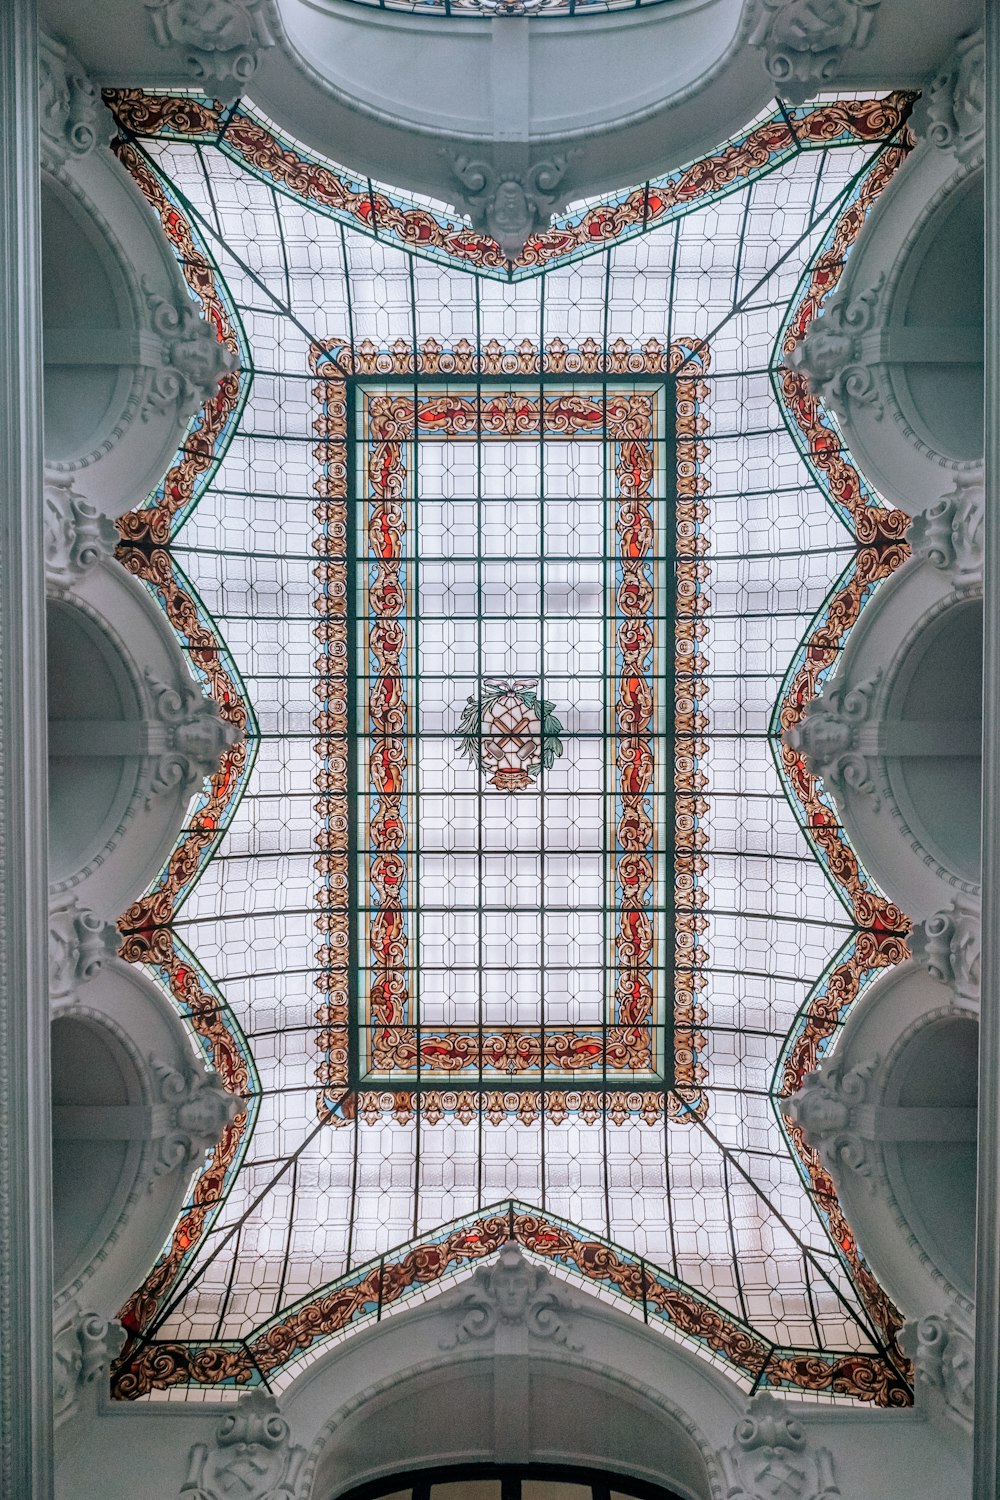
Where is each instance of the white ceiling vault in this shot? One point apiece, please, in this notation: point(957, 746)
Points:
point(340, 1194)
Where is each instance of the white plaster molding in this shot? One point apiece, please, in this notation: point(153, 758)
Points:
point(827, 1108)
point(804, 41)
point(986, 1431)
point(25, 1152)
point(187, 737)
point(949, 534)
point(510, 1298)
point(949, 944)
point(509, 204)
point(832, 356)
point(80, 943)
point(192, 360)
point(829, 735)
point(253, 1456)
point(945, 1365)
point(68, 104)
point(83, 1348)
point(199, 1108)
point(770, 1457)
point(952, 113)
point(221, 40)
point(77, 535)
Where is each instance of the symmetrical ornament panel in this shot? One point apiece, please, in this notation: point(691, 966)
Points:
point(826, 1108)
point(80, 944)
point(221, 42)
point(199, 1108)
point(771, 1458)
point(512, 1301)
point(950, 944)
point(68, 105)
point(804, 41)
point(252, 1457)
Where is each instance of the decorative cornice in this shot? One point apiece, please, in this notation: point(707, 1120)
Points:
point(950, 944)
point(829, 736)
point(949, 534)
point(80, 943)
point(831, 358)
point(951, 114)
point(221, 41)
point(67, 105)
point(514, 1294)
point(199, 1108)
point(83, 1349)
point(77, 535)
point(826, 1108)
point(804, 41)
point(509, 205)
point(944, 1356)
point(186, 739)
point(770, 1457)
point(192, 360)
point(252, 1456)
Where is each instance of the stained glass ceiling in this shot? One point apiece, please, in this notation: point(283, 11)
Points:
point(511, 916)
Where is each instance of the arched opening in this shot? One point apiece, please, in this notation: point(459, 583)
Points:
point(933, 1174)
point(510, 1482)
point(98, 1127)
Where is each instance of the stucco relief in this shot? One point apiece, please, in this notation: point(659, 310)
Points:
point(68, 105)
point(950, 945)
point(221, 39)
point(77, 535)
point(514, 1293)
point(511, 206)
point(945, 1360)
point(826, 1107)
point(770, 1457)
point(804, 41)
point(252, 1456)
point(186, 738)
point(83, 1348)
point(831, 356)
point(949, 534)
point(829, 736)
point(80, 943)
point(199, 1107)
point(192, 360)
point(953, 110)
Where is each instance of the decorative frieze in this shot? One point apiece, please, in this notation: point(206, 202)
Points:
point(831, 355)
point(253, 1456)
point(67, 105)
point(198, 1109)
point(510, 206)
point(952, 112)
point(187, 737)
point(804, 41)
point(83, 1348)
point(770, 1457)
point(513, 1295)
point(80, 943)
point(949, 534)
point(192, 360)
point(77, 535)
point(829, 736)
point(944, 1357)
point(221, 42)
point(826, 1108)
point(950, 945)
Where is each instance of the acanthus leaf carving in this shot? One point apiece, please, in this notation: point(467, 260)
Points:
point(221, 39)
point(80, 943)
point(804, 41)
point(830, 354)
point(826, 1107)
point(193, 361)
point(949, 534)
point(84, 1347)
point(944, 1357)
point(950, 945)
point(770, 1457)
point(829, 736)
point(509, 205)
point(67, 104)
point(513, 1294)
point(952, 113)
point(77, 535)
point(187, 738)
point(253, 1455)
point(199, 1107)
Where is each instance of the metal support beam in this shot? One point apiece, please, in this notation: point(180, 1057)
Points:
point(25, 1193)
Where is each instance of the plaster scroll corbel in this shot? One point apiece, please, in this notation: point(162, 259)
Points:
point(252, 1455)
point(84, 1347)
point(220, 41)
point(509, 203)
point(80, 944)
point(68, 105)
point(949, 944)
point(77, 535)
point(827, 1108)
point(804, 41)
point(771, 1458)
point(949, 534)
point(199, 1108)
point(944, 1359)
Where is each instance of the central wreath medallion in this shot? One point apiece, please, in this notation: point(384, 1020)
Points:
point(507, 730)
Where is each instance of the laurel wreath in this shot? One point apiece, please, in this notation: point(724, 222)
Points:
point(476, 708)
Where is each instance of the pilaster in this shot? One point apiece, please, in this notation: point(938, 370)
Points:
point(25, 1209)
point(986, 1460)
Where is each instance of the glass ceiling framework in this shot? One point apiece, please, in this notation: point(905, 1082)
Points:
point(314, 559)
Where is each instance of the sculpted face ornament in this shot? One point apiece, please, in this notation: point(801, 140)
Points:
point(825, 1109)
point(804, 41)
point(510, 206)
point(829, 737)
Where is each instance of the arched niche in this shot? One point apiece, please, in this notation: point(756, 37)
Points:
point(97, 1094)
point(90, 786)
point(933, 1178)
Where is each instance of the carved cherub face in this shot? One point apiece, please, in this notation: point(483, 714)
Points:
point(825, 352)
point(204, 1114)
point(820, 1113)
point(815, 25)
point(824, 738)
point(200, 359)
point(203, 738)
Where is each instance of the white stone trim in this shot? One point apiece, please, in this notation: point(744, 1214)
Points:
point(25, 1197)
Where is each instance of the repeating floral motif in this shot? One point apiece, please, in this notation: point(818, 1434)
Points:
point(370, 1291)
point(624, 418)
point(240, 134)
